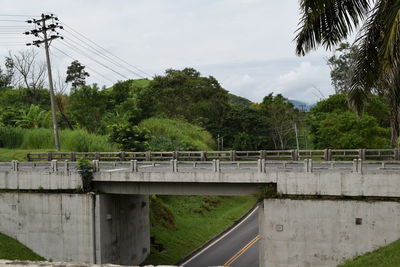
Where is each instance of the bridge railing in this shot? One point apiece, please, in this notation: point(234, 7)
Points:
point(173, 165)
point(232, 155)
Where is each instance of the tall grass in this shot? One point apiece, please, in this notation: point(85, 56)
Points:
point(40, 138)
point(170, 134)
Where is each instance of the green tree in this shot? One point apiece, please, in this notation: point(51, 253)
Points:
point(186, 94)
point(7, 75)
point(377, 63)
point(337, 105)
point(87, 107)
point(341, 64)
point(76, 74)
point(129, 137)
point(35, 117)
point(346, 130)
point(280, 116)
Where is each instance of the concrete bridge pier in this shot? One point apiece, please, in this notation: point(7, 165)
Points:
point(86, 228)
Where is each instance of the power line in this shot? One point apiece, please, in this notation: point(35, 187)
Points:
point(65, 54)
point(99, 53)
point(105, 50)
point(74, 48)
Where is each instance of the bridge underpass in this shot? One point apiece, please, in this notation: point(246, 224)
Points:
point(299, 226)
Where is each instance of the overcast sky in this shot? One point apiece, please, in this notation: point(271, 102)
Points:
point(246, 44)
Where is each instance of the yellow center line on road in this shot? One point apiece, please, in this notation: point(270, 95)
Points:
point(241, 251)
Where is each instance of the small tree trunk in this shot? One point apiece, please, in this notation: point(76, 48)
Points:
point(394, 121)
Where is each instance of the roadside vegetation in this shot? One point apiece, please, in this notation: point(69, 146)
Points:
point(11, 249)
point(388, 256)
point(180, 224)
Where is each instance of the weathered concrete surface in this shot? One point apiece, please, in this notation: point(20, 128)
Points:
point(381, 184)
point(34, 180)
point(79, 227)
point(9, 263)
point(324, 232)
point(123, 229)
point(56, 226)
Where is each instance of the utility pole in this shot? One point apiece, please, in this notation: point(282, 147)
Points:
point(46, 40)
point(297, 136)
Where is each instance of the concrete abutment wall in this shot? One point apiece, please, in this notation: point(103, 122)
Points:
point(306, 233)
point(79, 227)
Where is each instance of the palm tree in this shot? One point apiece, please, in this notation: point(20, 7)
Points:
point(377, 64)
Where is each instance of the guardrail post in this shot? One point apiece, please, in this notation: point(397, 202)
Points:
point(214, 165)
point(172, 165)
point(175, 165)
point(294, 154)
point(54, 165)
point(15, 165)
point(305, 166)
point(203, 156)
point(122, 156)
point(361, 154)
point(360, 166)
point(218, 165)
point(310, 165)
point(66, 166)
point(134, 166)
point(261, 165)
point(233, 155)
point(49, 156)
point(174, 154)
point(396, 154)
point(355, 165)
point(148, 155)
point(96, 166)
point(328, 154)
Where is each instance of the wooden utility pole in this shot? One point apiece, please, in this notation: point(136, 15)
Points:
point(46, 40)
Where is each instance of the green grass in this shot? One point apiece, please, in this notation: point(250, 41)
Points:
point(41, 138)
point(183, 223)
point(168, 135)
point(11, 249)
point(388, 256)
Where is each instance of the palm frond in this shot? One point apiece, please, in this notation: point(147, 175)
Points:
point(327, 22)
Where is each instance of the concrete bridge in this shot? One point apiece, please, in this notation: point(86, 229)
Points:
point(315, 213)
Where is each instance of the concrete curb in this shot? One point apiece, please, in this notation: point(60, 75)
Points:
point(197, 250)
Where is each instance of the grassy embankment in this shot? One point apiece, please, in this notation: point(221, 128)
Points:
point(180, 224)
point(388, 256)
point(11, 249)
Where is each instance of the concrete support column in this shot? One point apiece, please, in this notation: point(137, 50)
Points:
point(122, 229)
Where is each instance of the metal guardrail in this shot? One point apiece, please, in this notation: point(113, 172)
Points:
point(261, 166)
point(294, 155)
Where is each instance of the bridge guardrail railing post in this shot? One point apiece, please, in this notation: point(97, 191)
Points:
point(305, 165)
point(176, 165)
point(66, 167)
point(134, 165)
point(54, 165)
point(15, 165)
point(355, 165)
point(360, 166)
point(172, 165)
point(96, 166)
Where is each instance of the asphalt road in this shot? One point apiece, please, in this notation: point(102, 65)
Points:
point(238, 247)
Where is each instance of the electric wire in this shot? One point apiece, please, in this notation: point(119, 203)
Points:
point(79, 51)
point(105, 50)
point(73, 58)
point(99, 53)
